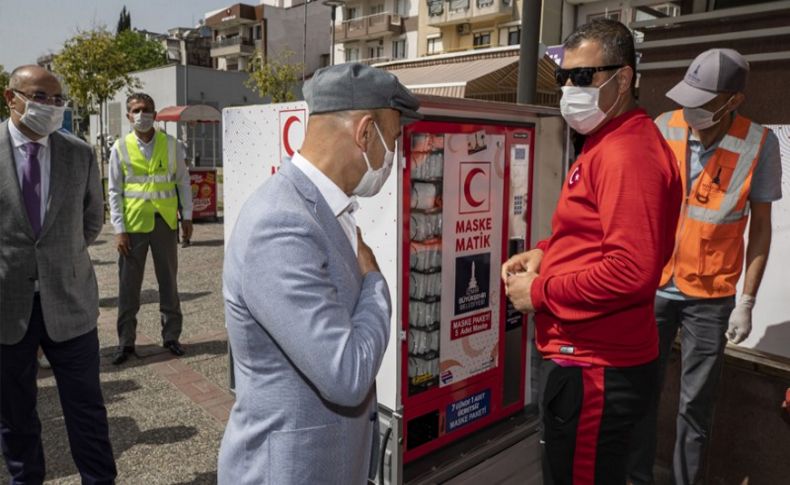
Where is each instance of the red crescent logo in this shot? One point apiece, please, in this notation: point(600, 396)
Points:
point(468, 187)
point(286, 130)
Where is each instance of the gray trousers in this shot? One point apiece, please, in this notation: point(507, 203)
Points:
point(164, 249)
point(702, 324)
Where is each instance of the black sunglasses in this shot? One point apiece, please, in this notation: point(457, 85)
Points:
point(580, 76)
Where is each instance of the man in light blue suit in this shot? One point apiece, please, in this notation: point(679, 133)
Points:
point(306, 306)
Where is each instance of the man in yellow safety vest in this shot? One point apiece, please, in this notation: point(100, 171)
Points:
point(148, 179)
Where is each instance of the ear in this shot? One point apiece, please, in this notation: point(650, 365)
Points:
point(10, 99)
point(736, 101)
point(361, 132)
point(624, 79)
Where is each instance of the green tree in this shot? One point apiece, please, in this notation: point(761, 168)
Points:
point(124, 21)
point(140, 53)
point(274, 78)
point(4, 78)
point(94, 69)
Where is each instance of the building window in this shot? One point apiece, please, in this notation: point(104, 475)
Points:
point(482, 39)
point(399, 49)
point(324, 62)
point(609, 14)
point(376, 52)
point(352, 54)
point(514, 36)
point(257, 32)
point(435, 7)
point(459, 5)
point(376, 9)
point(484, 3)
point(402, 7)
point(435, 45)
point(351, 13)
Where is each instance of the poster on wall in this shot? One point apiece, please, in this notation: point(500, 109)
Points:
point(472, 254)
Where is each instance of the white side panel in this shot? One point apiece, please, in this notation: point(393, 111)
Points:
point(255, 142)
point(771, 314)
point(257, 138)
point(379, 219)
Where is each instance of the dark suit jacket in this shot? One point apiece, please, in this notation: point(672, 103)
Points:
point(59, 257)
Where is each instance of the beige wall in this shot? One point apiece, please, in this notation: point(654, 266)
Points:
point(550, 28)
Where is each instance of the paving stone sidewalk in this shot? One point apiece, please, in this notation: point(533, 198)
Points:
point(166, 414)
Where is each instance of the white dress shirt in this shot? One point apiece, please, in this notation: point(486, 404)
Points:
point(115, 182)
point(341, 205)
point(19, 140)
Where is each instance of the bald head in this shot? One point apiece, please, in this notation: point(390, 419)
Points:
point(23, 76)
point(31, 83)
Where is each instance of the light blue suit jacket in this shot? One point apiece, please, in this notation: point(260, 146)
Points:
point(308, 334)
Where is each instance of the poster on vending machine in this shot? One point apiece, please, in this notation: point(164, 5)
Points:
point(472, 254)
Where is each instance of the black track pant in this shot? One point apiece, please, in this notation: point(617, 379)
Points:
point(588, 415)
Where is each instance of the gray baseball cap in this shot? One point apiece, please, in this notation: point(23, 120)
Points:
point(712, 72)
point(354, 86)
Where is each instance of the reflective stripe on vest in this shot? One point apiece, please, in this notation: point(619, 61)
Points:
point(149, 184)
point(708, 256)
point(169, 194)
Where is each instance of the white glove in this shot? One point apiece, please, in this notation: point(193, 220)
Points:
point(741, 320)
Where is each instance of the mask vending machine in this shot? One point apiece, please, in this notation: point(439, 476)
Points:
point(477, 183)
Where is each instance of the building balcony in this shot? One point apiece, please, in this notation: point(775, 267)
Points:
point(233, 46)
point(369, 27)
point(235, 16)
point(374, 60)
point(442, 13)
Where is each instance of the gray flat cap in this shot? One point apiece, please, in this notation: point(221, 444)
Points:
point(712, 72)
point(354, 86)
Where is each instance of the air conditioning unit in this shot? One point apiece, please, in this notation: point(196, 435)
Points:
point(464, 29)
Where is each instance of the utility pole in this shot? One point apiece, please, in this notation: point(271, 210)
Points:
point(334, 4)
point(528, 58)
point(304, 47)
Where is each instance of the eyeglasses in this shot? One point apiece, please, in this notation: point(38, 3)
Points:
point(44, 98)
point(580, 76)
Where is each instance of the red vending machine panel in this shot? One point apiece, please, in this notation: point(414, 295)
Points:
point(466, 207)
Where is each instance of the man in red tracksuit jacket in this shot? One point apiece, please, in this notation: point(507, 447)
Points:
point(592, 283)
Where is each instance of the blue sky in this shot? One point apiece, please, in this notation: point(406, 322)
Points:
point(30, 28)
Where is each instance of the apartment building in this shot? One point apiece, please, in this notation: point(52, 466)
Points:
point(375, 31)
point(462, 25)
point(237, 32)
point(296, 31)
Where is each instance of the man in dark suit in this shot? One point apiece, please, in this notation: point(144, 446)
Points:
point(51, 206)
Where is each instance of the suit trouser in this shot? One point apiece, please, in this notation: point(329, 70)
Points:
point(587, 416)
point(164, 249)
point(702, 342)
point(75, 364)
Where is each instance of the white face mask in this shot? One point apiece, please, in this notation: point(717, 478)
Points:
point(702, 119)
point(579, 106)
point(143, 121)
point(373, 180)
point(43, 119)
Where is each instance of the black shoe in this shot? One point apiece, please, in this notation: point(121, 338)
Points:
point(174, 347)
point(121, 355)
